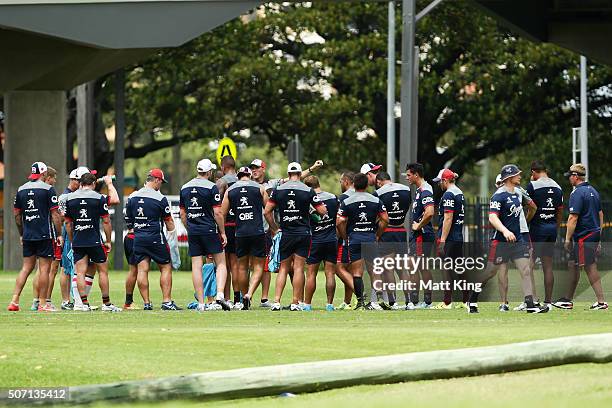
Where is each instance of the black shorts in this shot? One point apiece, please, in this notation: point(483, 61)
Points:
point(421, 245)
point(158, 252)
point(323, 252)
point(128, 249)
point(294, 245)
point(363, 250)
point(543, 241)
point(585, 249)
point(95, 254)
point(40, 249)
point(205, 244)
point(502, 252)
point(393, 241)
point(452, 250)
point(230, 233)
point(254, 245)
point(342, 253)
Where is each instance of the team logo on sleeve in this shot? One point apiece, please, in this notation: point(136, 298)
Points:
point(105, 207)
point(54, 199)
point(217, 197)
point(449, 203)
point(427, 200)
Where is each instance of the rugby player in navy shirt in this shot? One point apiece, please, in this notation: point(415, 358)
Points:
point(583, 234)
point(292, 199)
point(451, 217)
point(147, 210)
point(200, 204)
point(347, 188)
point(245, 200)
point(507, 243)
point(548, 198)
point(84, 210)
point(421, 233)
point(397, 198)
point(324, 248)
point(362, 219)
point(35, 209)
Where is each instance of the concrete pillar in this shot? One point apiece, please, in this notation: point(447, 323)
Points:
point(85, 124)
point(35, 128)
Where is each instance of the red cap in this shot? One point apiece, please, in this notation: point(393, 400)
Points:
point(445, 174)
point(158, 173)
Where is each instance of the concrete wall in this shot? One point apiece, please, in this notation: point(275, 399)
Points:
point(35, 128)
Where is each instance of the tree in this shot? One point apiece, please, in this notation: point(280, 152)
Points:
point(319, 70)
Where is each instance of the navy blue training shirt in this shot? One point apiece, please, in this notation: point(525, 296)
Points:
point(548, 197)
point(422, 199)
point(452, 201)
point(198, 197)
point(584, 201)
point(146, 211)
point(396, 198)
point(293, 200)
point(85, 208)
point(508, 208)
point(34, 201)
point(361, 210)
point(246, 203)
point(325, 229)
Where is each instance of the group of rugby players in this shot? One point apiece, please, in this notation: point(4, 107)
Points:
point(234, 215)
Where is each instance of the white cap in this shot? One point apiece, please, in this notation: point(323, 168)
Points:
point(205, 165)
point(498, 179)
point(294, 168)
point(368, 167)
point(80, 172)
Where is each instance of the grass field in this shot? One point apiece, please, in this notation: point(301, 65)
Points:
point(68, 348)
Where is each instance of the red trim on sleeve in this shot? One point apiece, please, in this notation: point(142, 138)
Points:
point(494, 212)
point(54, 208)
point(16, 210)
point(382, 212)
point(216, 205)
point(341, 216)
point(449, 211)
point(271, 200)
point(68, 219)
point(168, 217)
point(318, 205)
point(561, 206)
point(428, 205)
point(105, 216)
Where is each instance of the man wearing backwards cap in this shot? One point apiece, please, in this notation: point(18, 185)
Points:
point(200, 204)
point(371, 170)
point(258, 167)
point(35, 209)
point(584, 229)
point(246, 199)
point(451, 216)
point(145, 211)
point(507, 242)
point(293, 200)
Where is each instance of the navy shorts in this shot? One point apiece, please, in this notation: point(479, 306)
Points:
point(128, 249)
point(342, 253)
point(323, 252)
point(294, 245)
point(502, 252)
point(585, 249)
point(452, 250)
point(393, 241)
point(254, 245)
point(230, 233)
point(158, 252)
point(362, 250)
point(41, 249)
point(543, 240)
point(421, 245)
point(205, 244)
point(95, 254)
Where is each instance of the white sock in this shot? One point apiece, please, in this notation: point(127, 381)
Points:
point(75, 292)
point(88, 284)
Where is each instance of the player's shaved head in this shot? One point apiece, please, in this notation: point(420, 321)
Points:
point(228, 162)
point(360, 182)
point(383, 176)
point(348, 177)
